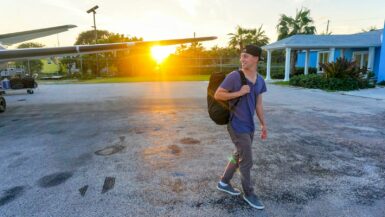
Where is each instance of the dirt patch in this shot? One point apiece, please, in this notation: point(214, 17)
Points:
point(189, 141)
point(164, 152)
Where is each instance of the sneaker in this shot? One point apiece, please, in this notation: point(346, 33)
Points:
point(228, 189)
point(253, 201)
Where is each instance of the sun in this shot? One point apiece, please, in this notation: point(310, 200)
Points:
point(160, 53)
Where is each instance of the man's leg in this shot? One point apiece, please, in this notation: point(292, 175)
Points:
point(245, 165)
point(232, 166)
point(245, 162)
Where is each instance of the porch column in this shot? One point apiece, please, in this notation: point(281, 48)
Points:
point(306, 70)
point(371, 58)
point(342, 53)
point(287, 64)
point(381, 71)
point(268, 67)
point(331, 54)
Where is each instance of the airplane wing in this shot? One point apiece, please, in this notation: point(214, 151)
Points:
point(17, 37)
point(33, 53)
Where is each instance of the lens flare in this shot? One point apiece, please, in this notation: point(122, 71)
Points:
point(160, 53)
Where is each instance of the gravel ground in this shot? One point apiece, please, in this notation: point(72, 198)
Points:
point(149, 149)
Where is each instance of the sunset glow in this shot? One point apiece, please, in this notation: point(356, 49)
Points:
point(160, 53)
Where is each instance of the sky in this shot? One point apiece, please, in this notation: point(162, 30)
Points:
point(168, 19)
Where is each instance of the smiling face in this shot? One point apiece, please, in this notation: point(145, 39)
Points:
point(249, 61)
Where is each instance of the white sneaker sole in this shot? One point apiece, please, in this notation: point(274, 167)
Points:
point(229, 192)
point(254, 206)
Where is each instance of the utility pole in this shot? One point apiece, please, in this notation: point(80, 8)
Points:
point(93, 11)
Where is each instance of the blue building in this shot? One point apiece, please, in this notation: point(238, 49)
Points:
point(367, 49)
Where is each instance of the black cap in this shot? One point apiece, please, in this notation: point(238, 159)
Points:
point(253, 50)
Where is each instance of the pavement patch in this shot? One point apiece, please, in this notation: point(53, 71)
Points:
point(18, 162)
point(109, 183)
point(83, 190)
point(178, 174)
point(367, 195)
point(175, 185)
point(82, 159)
point(110, 150)
point(11, 194)
point(231, 204)
point(54, 179)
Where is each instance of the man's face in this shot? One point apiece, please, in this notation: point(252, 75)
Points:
point(248, 61)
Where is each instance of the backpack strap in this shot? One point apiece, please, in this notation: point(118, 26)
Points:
point(243, 77)
point(243, 82)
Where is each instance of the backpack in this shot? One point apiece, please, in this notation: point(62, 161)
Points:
point(219, 111)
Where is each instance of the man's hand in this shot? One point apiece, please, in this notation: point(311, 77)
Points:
point(245, 89)
point(263, 132)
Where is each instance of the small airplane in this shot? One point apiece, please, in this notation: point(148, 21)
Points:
point(36, 53)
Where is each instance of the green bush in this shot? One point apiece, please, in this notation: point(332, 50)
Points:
point(343, 69)
point(301, 71)
point(325, 83)
point(277, 73)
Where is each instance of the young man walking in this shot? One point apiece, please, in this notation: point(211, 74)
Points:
point(245, 101)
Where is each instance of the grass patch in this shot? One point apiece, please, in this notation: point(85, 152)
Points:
point(283, 83)
point(49, 67)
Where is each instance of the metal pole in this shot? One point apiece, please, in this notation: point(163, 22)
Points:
point(29, 68)
point(96, 41)
point(81, 65)
point(96, 33)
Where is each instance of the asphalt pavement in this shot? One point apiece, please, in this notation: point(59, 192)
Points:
point(150, 149)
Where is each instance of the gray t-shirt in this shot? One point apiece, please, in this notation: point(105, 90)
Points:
point(242, 119)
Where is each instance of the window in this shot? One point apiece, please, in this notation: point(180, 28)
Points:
point(361, 58)
point(323, 57)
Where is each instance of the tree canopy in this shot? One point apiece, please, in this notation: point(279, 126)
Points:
point(34, 66)
point(104, 36)
point(243, 36)
point(302, 23)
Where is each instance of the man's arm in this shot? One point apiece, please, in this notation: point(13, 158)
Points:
point(261, 117)
point(224, 95)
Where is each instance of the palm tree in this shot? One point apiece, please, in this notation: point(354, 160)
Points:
point(258, 37)
point(287, 26)
point(237, 39)
point(245, 36)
